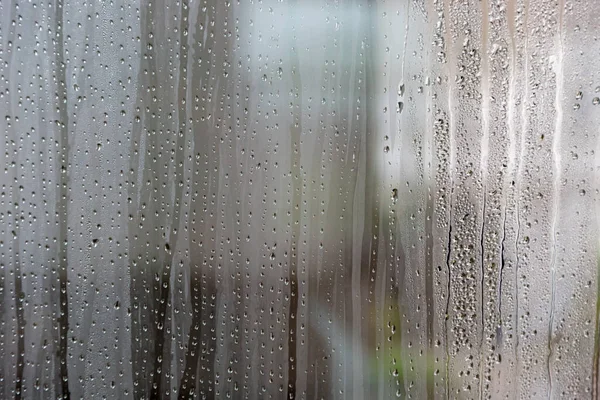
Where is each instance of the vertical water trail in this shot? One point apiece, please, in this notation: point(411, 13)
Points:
point(451, 170)
point(511, 114)
point(519, 179)
point(295, 168)
point(556, 141)
point(63, 200)
point(485, 143)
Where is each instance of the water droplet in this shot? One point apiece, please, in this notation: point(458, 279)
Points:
point(400, 107)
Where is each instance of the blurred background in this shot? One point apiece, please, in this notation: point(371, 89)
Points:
point(299, 199)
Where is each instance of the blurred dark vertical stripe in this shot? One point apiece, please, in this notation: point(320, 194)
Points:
point(63, 201)
point(212, 88)
point(15, 210)
point(162, 361)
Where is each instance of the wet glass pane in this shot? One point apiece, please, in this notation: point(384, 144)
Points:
point(299, 199)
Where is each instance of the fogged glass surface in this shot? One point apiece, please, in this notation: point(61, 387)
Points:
point(302, 199)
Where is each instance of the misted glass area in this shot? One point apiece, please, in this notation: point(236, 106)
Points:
point(299, 199)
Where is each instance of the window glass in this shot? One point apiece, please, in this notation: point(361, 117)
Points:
point(299, 199)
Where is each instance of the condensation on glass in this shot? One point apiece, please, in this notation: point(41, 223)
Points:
point(307, 199)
